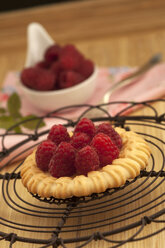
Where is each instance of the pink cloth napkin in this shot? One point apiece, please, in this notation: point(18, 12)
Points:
point(150, 86)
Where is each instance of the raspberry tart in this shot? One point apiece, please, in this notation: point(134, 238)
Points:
point(89, 160)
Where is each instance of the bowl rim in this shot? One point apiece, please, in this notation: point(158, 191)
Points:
point(60, 91)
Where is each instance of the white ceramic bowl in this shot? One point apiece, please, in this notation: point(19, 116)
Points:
point(51, 100)
point(38, 40)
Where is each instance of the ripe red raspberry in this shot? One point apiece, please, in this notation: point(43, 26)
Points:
point(70, 58)
point(55, 67)
point(38, 78)
point(68, 48)
point(79, 140)
point(71, 49)
point(85, 125)
point(69, 62)
point(58, 133)
point(86, 68)
point(69, 78)
point(44, 153)
point(43, 64)
point(62, 162)
point(52, 53)
point(86, 160)
point(110, 131)
point(105, 148)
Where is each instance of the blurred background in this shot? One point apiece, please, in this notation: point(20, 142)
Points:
point(18, 4)
point(110, 32)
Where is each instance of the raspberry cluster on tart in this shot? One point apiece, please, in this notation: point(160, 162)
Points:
point(89, 160)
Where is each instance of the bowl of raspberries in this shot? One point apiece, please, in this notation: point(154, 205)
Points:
point(63, 77)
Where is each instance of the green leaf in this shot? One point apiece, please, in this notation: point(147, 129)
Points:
point(31, 124)
point(14, 116)
point(17, 129)
point(2, 110)
point(14, 105)
point(6, 121)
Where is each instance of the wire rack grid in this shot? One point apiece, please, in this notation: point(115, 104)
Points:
point(83, 220)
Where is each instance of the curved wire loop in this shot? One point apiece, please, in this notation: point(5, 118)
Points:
point(94, 204)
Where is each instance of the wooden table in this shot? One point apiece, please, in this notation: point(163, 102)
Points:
point(111, 33)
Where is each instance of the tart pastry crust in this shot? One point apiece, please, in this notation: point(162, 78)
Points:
point(133, 158)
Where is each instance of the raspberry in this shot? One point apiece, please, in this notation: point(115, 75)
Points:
point(43, 64)
point(86, 69)
point(58, 133)
point(38, 78)
point(86, 126)
point(105, 148)
point(44, 153)
point(79, 140)
point(86, 160)
point(55, 67)
point(69, 48)
point(52, 53)
point(69, 78)
point(110, 131)
point(62, 162)
point(70, 58)
point(69, 62)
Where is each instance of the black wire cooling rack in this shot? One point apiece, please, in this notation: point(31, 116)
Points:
point(79, 221)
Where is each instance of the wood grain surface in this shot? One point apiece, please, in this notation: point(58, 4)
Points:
point(111, 33)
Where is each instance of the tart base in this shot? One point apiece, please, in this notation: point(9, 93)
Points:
point(133, 158)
